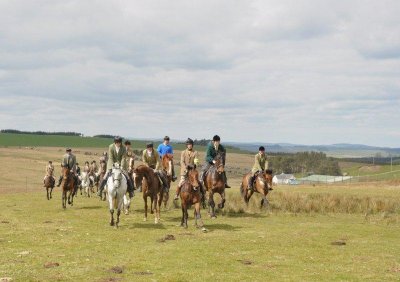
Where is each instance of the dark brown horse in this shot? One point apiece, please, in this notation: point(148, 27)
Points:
point(68, 186)
point(167, 164)
point(102, 173)
point(214, 182)
point(151, 187)
point(262, 184)
point(49, 182)
point(191, 197)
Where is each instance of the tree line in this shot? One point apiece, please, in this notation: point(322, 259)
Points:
point(14, 131)
point(304, 162)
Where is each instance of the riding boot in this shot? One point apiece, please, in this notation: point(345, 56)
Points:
point(130, 188)
point(226, 180)
point(203, 195)
point(59, 181)
point(250, 184)
point(173, 174)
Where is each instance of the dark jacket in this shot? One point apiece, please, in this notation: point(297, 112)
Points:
point(212, 153)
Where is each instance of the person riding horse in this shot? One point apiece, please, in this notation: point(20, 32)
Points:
point(116, 154)
point(165, 148)
point(151, 158)
point(69, 160)
point(78, 169)
point(49, 172)
point(213, 148)
point(130, 156)
point(189, 157)
point(260, 165)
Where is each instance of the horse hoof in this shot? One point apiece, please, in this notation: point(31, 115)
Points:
point(126, 212)
point(204, 230)
point(111, 223)
point(213, 217)
point(145, 219)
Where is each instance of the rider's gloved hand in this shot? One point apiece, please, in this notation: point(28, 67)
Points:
point(214, 161)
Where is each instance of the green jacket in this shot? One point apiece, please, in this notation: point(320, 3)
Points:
point(114, 157)
point(212, 153)
point(260, 163)
point(153, 161)
point(70, 161)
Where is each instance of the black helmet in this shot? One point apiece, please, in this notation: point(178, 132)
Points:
point(261, 148)
point(216, 138)
point(149, 145)
point(189, 141)
point(166, 138)
point(127, 142)
point(68, 150)
point(117, 139)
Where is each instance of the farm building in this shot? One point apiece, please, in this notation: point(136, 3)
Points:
point(283, 178)
point(316, 178)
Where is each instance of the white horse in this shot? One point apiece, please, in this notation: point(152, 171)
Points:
point(116, 189)
point(85, 183)
point(127, 204)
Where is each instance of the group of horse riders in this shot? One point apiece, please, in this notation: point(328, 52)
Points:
point(125, 157)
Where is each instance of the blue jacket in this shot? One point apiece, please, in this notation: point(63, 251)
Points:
point(164, 149)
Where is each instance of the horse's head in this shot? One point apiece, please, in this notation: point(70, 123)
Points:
point(268, 176)
point(193, 176)
point(116, 174)
point(137, 175)
point(64, 170)
point(220, 162)
point(167, 163)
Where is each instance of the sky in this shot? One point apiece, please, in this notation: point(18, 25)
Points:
point(271, 71)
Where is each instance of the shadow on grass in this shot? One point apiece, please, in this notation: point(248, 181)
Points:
point(221, 226)
point(244, 214)
point(90, 208)
point(149, 225)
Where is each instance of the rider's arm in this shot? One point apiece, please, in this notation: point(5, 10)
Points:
point(209, 157)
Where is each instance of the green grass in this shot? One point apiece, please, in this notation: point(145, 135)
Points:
point(252, 245)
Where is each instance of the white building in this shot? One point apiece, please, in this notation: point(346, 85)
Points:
point(283, 178)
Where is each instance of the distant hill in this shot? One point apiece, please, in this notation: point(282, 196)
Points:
point(335, 150)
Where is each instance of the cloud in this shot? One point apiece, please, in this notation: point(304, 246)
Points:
point(274, 71)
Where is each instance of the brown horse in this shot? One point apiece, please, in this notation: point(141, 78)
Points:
point(69, 186)
point(262, 184)
point(102, 173)
point(167, 164)
point(151, 187)
point(49, 182)
point(191, 197)
point(214, 182)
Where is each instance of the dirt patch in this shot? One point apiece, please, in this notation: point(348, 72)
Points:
point(245, 262)
point(5, 221)
point(5, 279)
point(143, 273)
point(166, 238)
point(338, 243)
point(117, 269)
point(51, 264)
point(111, 279)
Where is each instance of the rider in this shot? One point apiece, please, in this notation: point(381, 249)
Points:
point(69, 160)
point(116, 154)
point(260, 164)
point(86, 167)
point(151, 158)
point(213, 148)
point(104, 157)
point(166, 148)
point(78, 169)
point(49, 172)
point(130, 157)
point(188, 157)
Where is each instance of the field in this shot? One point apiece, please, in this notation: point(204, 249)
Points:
point(309, 233)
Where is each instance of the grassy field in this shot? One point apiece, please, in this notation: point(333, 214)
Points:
point(309, 233)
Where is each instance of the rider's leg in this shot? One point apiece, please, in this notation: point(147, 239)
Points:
point(173, 173)
point(178, 188)
point(226, 180)
point(129, 184)
point(250, 181)
point(103, 183)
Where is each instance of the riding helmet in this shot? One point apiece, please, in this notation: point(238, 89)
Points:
point(68, 150)
point(127, 142)
point(166, 138)
point(149, 145)
point(189, 141)
point(261, 148)
point(117, 139)
point(216, 138)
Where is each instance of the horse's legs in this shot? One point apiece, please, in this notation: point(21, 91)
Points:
point(264, 201)
point(197, 215)
point(186, 217)
point(222, 204)
point(211, 208)
point(157, 206)
point(183, 215)
point(64, 199)
point(112, 217)
point(145, 207)
point(47, 191)
point(51, 192)
point(118, 214)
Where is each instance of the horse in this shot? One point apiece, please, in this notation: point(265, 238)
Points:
point(167, 166)
point(100, 176)
point(214, 182)
point(191, 197)
point(151, 187)
point(68, 186)
point(116, 189)
point(262, 184)
point(85, 183)
point(49, 183)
